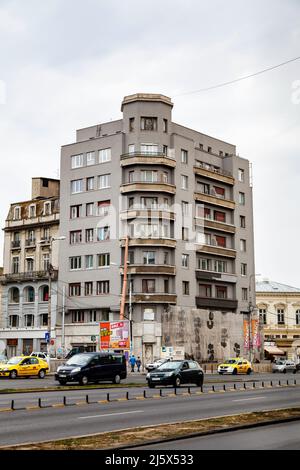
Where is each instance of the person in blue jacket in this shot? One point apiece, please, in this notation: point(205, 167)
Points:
point(132, 361)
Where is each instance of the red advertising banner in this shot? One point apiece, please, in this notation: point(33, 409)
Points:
point(246, 335)
point(255, 333)
point(104, 335)
point(114, 335)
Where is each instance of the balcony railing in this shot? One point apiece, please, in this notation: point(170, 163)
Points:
point(153, 297)
point(16, 244)
point(30, 243)
point(216, 303)
point(142, 153)
point(211, 168)
point(28, 276)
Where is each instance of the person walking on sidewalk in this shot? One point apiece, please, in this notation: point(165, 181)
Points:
point(138, 363)
point(132, 362)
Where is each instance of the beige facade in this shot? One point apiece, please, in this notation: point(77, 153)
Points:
point(279, 309)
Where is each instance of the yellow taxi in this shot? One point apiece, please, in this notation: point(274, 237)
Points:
point(24, 366)
point(236, 365)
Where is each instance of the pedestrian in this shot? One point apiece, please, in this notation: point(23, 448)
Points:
point(138, 363)
point(132, 362)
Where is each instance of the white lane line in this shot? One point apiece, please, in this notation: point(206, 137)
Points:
point(111, 414)
point(247, 399)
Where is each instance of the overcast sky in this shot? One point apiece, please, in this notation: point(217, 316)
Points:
point(67, 64)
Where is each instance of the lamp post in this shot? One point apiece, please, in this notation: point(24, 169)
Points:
point(251, 308)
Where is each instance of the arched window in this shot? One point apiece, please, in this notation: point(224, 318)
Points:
point(14, 295)
point(29, 294)
point(44, 293)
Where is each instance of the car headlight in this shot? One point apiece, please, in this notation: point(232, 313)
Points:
point(148, 376)
point(59, 368)
point(5, 370)
point(77, 369)
point(168, 374)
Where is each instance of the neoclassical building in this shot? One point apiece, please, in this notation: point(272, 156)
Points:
point(279, 310)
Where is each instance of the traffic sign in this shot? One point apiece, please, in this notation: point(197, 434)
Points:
point(47, 337)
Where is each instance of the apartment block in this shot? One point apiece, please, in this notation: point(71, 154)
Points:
point(183, 200)
point(29, 250)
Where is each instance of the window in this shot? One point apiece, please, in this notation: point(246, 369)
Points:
point(166, 286)
point(184, 182)
point(201, 146)
point(32, 211)
point(204, 264)
point(131, 257)
point(297, 317)
point(130, 202)
point(148, 124)
point(89, 235)
point(88, 288)
point(149, 148)
point(241, 175)
point(221, 292)
point(149, 203)
point(203, 188)
point(75, 262)
point(75, 237)
point(76, 186)
point(103, 233)
point(14, 297)
point(78, 316)
point(103, 260)
point(77, 161)
point(102, 287)
point(14, 321)
point(204, 290)
point(166, 257)
point(221, 153)
point(148, 176)
point(89, 261)
point(184, 156)
point(131, 176)
point(17, 213)
point(220, 216)
point(131, 124)
point(209, 149)
point(15, 264)
point(103, 208)
point(75, 211)
point(149, 257)
point(29, 265)
point(104, 181)
point(165, 177)
point(220, 266)
point(243, 245)
point(165, 150)
point(280, 316)
point(184, 260)
point(148, 286)
point(220, 241)
point(93, 316)
point(90, 183)
point(89, 209)
point(44, 319)
point(263, 316)
point(219, 192)
point(105, 155)
point(29, 294)
point(185, 233)
point(149, 231)
point(28, 320)
point(243, 269)
point(90, 158)
point(241, 199)
point(244, 293)
point(44, 293)
point(131, 148)
point(185, 208)
point(165, 125)
point(46, 261)
point(46, 234)
point(75, 289)
point(242, 221)
point(185, 287)
point(45, 183)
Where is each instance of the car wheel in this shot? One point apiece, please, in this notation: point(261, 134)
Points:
point(249, 371)
point(62, 382)
point(177, 382)
point(294, 371)
point(41, 374)
point(284, 371)
point(117, 379)
point(234, 372)
point(199, 383)
point(13, 374)
point(84, 380)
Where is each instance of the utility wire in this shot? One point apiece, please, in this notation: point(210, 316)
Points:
point(237, 79)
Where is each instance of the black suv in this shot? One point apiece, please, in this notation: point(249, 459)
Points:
point(176, 373)
point(92, 367)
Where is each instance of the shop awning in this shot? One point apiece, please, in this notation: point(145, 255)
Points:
point(274, 350)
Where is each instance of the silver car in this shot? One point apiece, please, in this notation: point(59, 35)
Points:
point(284, 366)
point(155, 364)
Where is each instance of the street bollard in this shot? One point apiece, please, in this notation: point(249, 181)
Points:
point(271, 383)
point(234, 386)
point(213, 388)
point(245, 385)
point(127, 396)
point(279, 383)
point(287, 382)
point(175, 391)
point(205, 368)
point(212, 369)
point(65, 401)
point(160, 392)
point(87, 399)
point(253, 384)
point(295, 382)
point(263, 384)
point(107, 397)
point(145, 396)
point(12, 406)
point(224, 388)
point(189, 390)
point(40, 403)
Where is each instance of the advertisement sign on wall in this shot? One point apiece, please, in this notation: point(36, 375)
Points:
point(255, 333)
point(114, 335)
point(246, 335)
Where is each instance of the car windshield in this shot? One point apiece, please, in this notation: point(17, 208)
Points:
point(78, 360)
point(280, 363)
point(14, 360)
point(230, 361)
point(170, 365)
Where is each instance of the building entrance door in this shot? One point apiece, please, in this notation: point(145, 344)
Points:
point(148, 353)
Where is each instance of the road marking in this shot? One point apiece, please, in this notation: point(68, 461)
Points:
point(111, 414)
point(246, 399)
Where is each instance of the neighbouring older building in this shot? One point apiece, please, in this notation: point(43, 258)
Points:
point(279, 311)
point(29, 230)
point(184, 199)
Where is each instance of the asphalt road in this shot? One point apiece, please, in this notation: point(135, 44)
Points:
point(284, 436)
point(55, 423)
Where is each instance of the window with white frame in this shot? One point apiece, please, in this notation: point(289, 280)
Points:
point(149, 148)
point(241, 175)
point(88, 288)
point(263, 315)
point(243, 269)
point(243, 245)
point(29, 265)
point(102, 287)
point(184, 156)
point(75, 263)
point(15, 264)
point(47, 208)
point(103, 260)
point(185, 260)
point(280, 316)
point(90, 183)
point(77, 161)
point(46, 261)
point(89, 261)
point(242, 199)
point(184, 182)
point(32, 211)
point(149, 176)
point(75, 237)
point(90, 158)
point(76, 186)
point(75, 289)
point(105, 155)
point(220, 266)
point(103, 233)
point(89, 235)
point(89, 212)
point(78, 316)
point(75, 211)
point(149, 257)
point(104, 181)
point(103, 208)
point(17, 213)
point(204, 264)
point(148, 123)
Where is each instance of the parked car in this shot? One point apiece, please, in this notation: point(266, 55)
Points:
point(176, 373)
point(41, 355)
point(92, 367)
point(236, 365)
point(155, 364)
point(284, 366)
point(76, 350)
point(24, 366)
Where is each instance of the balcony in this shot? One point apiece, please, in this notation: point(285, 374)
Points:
point(147, 158)
point(45, 241)
point(144, 213)
point(30, 243)
point(214, 174)
point(216, 303)
point(155, 297)
point(216, 250)
point(27, 276)
point(202, 275)
point(16, 245)
point(165, 242)
point(213, 198)
point(149, 186)
point(215, 225)
point(154, 269)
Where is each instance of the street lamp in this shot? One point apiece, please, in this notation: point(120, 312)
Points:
point(251, 308)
